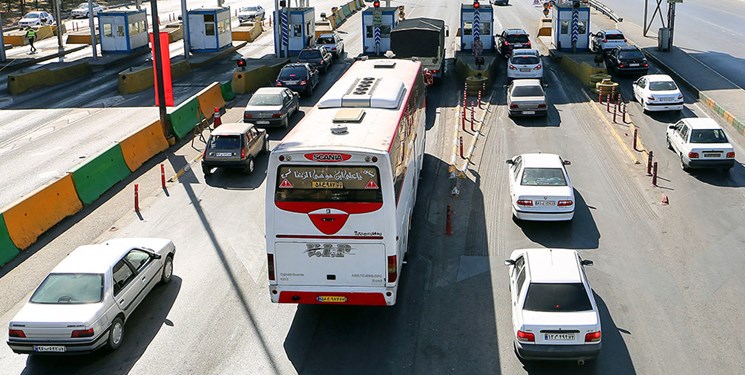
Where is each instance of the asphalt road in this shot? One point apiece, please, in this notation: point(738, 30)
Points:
point(666, 277)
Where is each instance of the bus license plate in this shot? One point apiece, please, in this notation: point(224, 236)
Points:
point(327, 185)
point(49, 348)
point(559, 336)
point(332, 299)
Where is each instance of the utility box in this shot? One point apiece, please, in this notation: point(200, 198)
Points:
point(384, 19)
point(209, 29)
point(663, 39)
point(468, 15)
point(571, 23)
point(122, 31)
point(299, 25)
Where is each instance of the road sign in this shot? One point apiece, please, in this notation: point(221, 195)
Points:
point(536, 3)
point(575, 26)
point(476, 23)
point(376, 34)
point(377, 18)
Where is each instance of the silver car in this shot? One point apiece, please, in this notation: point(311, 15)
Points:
point(525, 97)
point(85, 301)
point(82, 10)
point(271, 106)
point(251, 13)
point(525, 63)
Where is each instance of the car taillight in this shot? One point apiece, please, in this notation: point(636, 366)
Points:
point(434, 71)
point(542, 105)
point(333, 48)
point(593, 336)
point(303, 83)
point(276, 115)
point(537, 67)
point(270, 265)
point(82, 333)
point(645, 65)
point(605, 40)
point(511, 67)
point(731, 154)
point(506, 43)
point(243, 153)
point(693, 155)
point(513, 106)
point(392, 271)
point(248, 115)
point(278, 83)
point(525, 336)
point(564, 203)
point(16, 333)
point(528, 44)
point(621, 65)
point(525, 202)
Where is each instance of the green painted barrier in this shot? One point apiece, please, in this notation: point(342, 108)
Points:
point(185, 117)
point(346, 10)
point(99, 174)
point(8, 250)
point(227, 90)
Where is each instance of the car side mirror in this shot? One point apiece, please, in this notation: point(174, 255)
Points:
point(509, 262)
point(671, 127)
point(510, 162)
point(156, 256)
point(567, 162)
point(587, 262)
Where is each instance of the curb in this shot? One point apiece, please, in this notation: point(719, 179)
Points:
point(626, 148)
point(477, 133)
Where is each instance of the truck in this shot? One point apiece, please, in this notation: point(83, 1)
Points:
point(423, 38)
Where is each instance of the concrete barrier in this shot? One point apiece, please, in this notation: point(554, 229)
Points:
point(143, 145)
point(544, 27)
point(465, 67)
point(35, 213)
point(227, 90)
point(250, 79)
point(80, 37)
point(175, 31)
point(248, 31)
point(353, 6)
point(99, 174)
point(209, 99)
point(18, 37)
point(23, 81)
point(580, 69)
point(8, 250)
point(340, 17)
point(331, 18)
point(185, 117)
point(323, 27)
point(346, 10)
point(136, 79)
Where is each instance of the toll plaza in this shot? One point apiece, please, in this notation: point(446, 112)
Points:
point(122, 31)
point(476, 20)
point(209, 29)
point(377, 23)
point(297, 30)
point(570, 26)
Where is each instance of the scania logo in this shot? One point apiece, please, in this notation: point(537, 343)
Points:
point(327, 157)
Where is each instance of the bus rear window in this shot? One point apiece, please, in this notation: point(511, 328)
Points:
point(327, 184)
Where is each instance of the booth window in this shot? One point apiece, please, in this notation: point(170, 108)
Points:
point(108, 31)
point(120, 30)
point(297, 30)
point(385, 31)
point(581, 27)
point(564, 27)
point(134, 28)
point(209, 29)
point(467, 28)
point(223, 26)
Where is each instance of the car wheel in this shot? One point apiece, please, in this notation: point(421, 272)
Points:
point(286, 121)
point(683, 165)
point(669, 145)
point(249, 166)
point(165, 277)
point(116, 334)
point(266, 145)
point(207, 170)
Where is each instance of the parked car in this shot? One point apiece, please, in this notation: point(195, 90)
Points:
point(82, 10)
point(36, 18)
point(271, 106)
point(540, 188)
point(511, 39)
point(333, 43)
point(251, 13)
point(554, 313)
point(299, 77)
point(526, 97)
point(525, 64)
point(627, 59)
point(657, 92)
point(700, 143)
point(319, 57)
point(84, 303)
point(234, 145)
point(605, 40)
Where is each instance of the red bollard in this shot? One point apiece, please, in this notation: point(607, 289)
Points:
point(649, 163)
point(463, 119)
point(162, 176)
point(654, 174)
point(615, 109)
point(473, 110)
point(636, 132)
point(448, 221)
point(137, 198)
point(607, 102)
point(217, 120)
point(461, 148)
point(479, 99)
point(624, 113)
point(600, 96)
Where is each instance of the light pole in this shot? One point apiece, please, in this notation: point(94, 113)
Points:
point(93, 29)
point(167, 129)
point(58, 20)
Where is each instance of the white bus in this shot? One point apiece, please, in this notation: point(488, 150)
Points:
point(341, 188)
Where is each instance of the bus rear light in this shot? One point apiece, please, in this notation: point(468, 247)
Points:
point(564, 203)
point(593, 336)
point(731, 155)
point(16, 333)
point(525, 202)
point(82, 333)
point(525, 336)
point(270, 266)
point(693, 155)
point(392, 269)
point(434, 71)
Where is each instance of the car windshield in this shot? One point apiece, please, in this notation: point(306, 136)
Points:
point(543, 177)
point(325, 40)
point(225, 142)
point(517, 38)
point(265, 99)
point(708, 136)
point(314, 54)
point(527, 91)
point(525, 60)
point(614, 36)
point(249, 9)
point(32, 15)
point(662, 86)
point(70, 288)
point(631, 55)
point(293, 73)
point(557, 297)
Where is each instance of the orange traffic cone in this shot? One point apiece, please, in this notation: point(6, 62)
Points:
point(216, 119)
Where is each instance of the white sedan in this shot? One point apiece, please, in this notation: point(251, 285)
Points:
point(82, 10)
point(700, 143)
point(84, 302)
point(657, 92)
point(36, 18)
point(540, 188)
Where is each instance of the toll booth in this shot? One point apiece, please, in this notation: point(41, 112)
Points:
point(209, 29)
point(565, 28)
point(386, 19)
point(122, 31)
point(300, 30)
point(485, 23)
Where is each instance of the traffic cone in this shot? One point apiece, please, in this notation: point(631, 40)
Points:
point(216, 119)
point(665, 200)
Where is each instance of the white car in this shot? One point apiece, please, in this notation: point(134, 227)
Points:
point(657, 92)
point(525, 97)
point(700, 143)
point(606, 40)
point(525, 63)
point(37, 18)
point(85, 301)
point(333, 43)
point(82, 10)
point(554, 314)
point(251, 13)
point(540, 188)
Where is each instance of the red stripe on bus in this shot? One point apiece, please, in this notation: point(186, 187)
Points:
point(348, 207)
point(313, 236)
point(314, 298)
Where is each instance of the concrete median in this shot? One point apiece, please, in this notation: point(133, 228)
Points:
point(544, 27)
point(35, 213)
point(175, 31)
point(185, 117)
point(23, 81)
point(345, 9)
point(8, 250)
point(251, 79)
point(209, 99)
point(136, 79)
point(99, 174)
point(227, 90)
point(80, 37)
point(143, 145)
point(248, 31)
point(579, 66)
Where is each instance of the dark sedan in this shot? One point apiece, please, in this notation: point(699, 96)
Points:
point(319, 57)
point(627, 59)
point(301, 78)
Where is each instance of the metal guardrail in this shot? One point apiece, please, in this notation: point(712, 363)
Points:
point(605, 10)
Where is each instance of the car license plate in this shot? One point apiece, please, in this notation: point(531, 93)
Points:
point(223, 154)
point(528, 112)
point(634, 64)
point(517, 45)
point(545, 203)
point(712, 155)
point(332, 299)
point(49, 348)
point(525, 70)
point(558, 336)
point(291, 82)
point(262, 122)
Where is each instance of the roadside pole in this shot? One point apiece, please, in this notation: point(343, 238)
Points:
point(167, 129)
point(185, 28)
point(2, 42)
point(58, 20)
point(93, 29)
